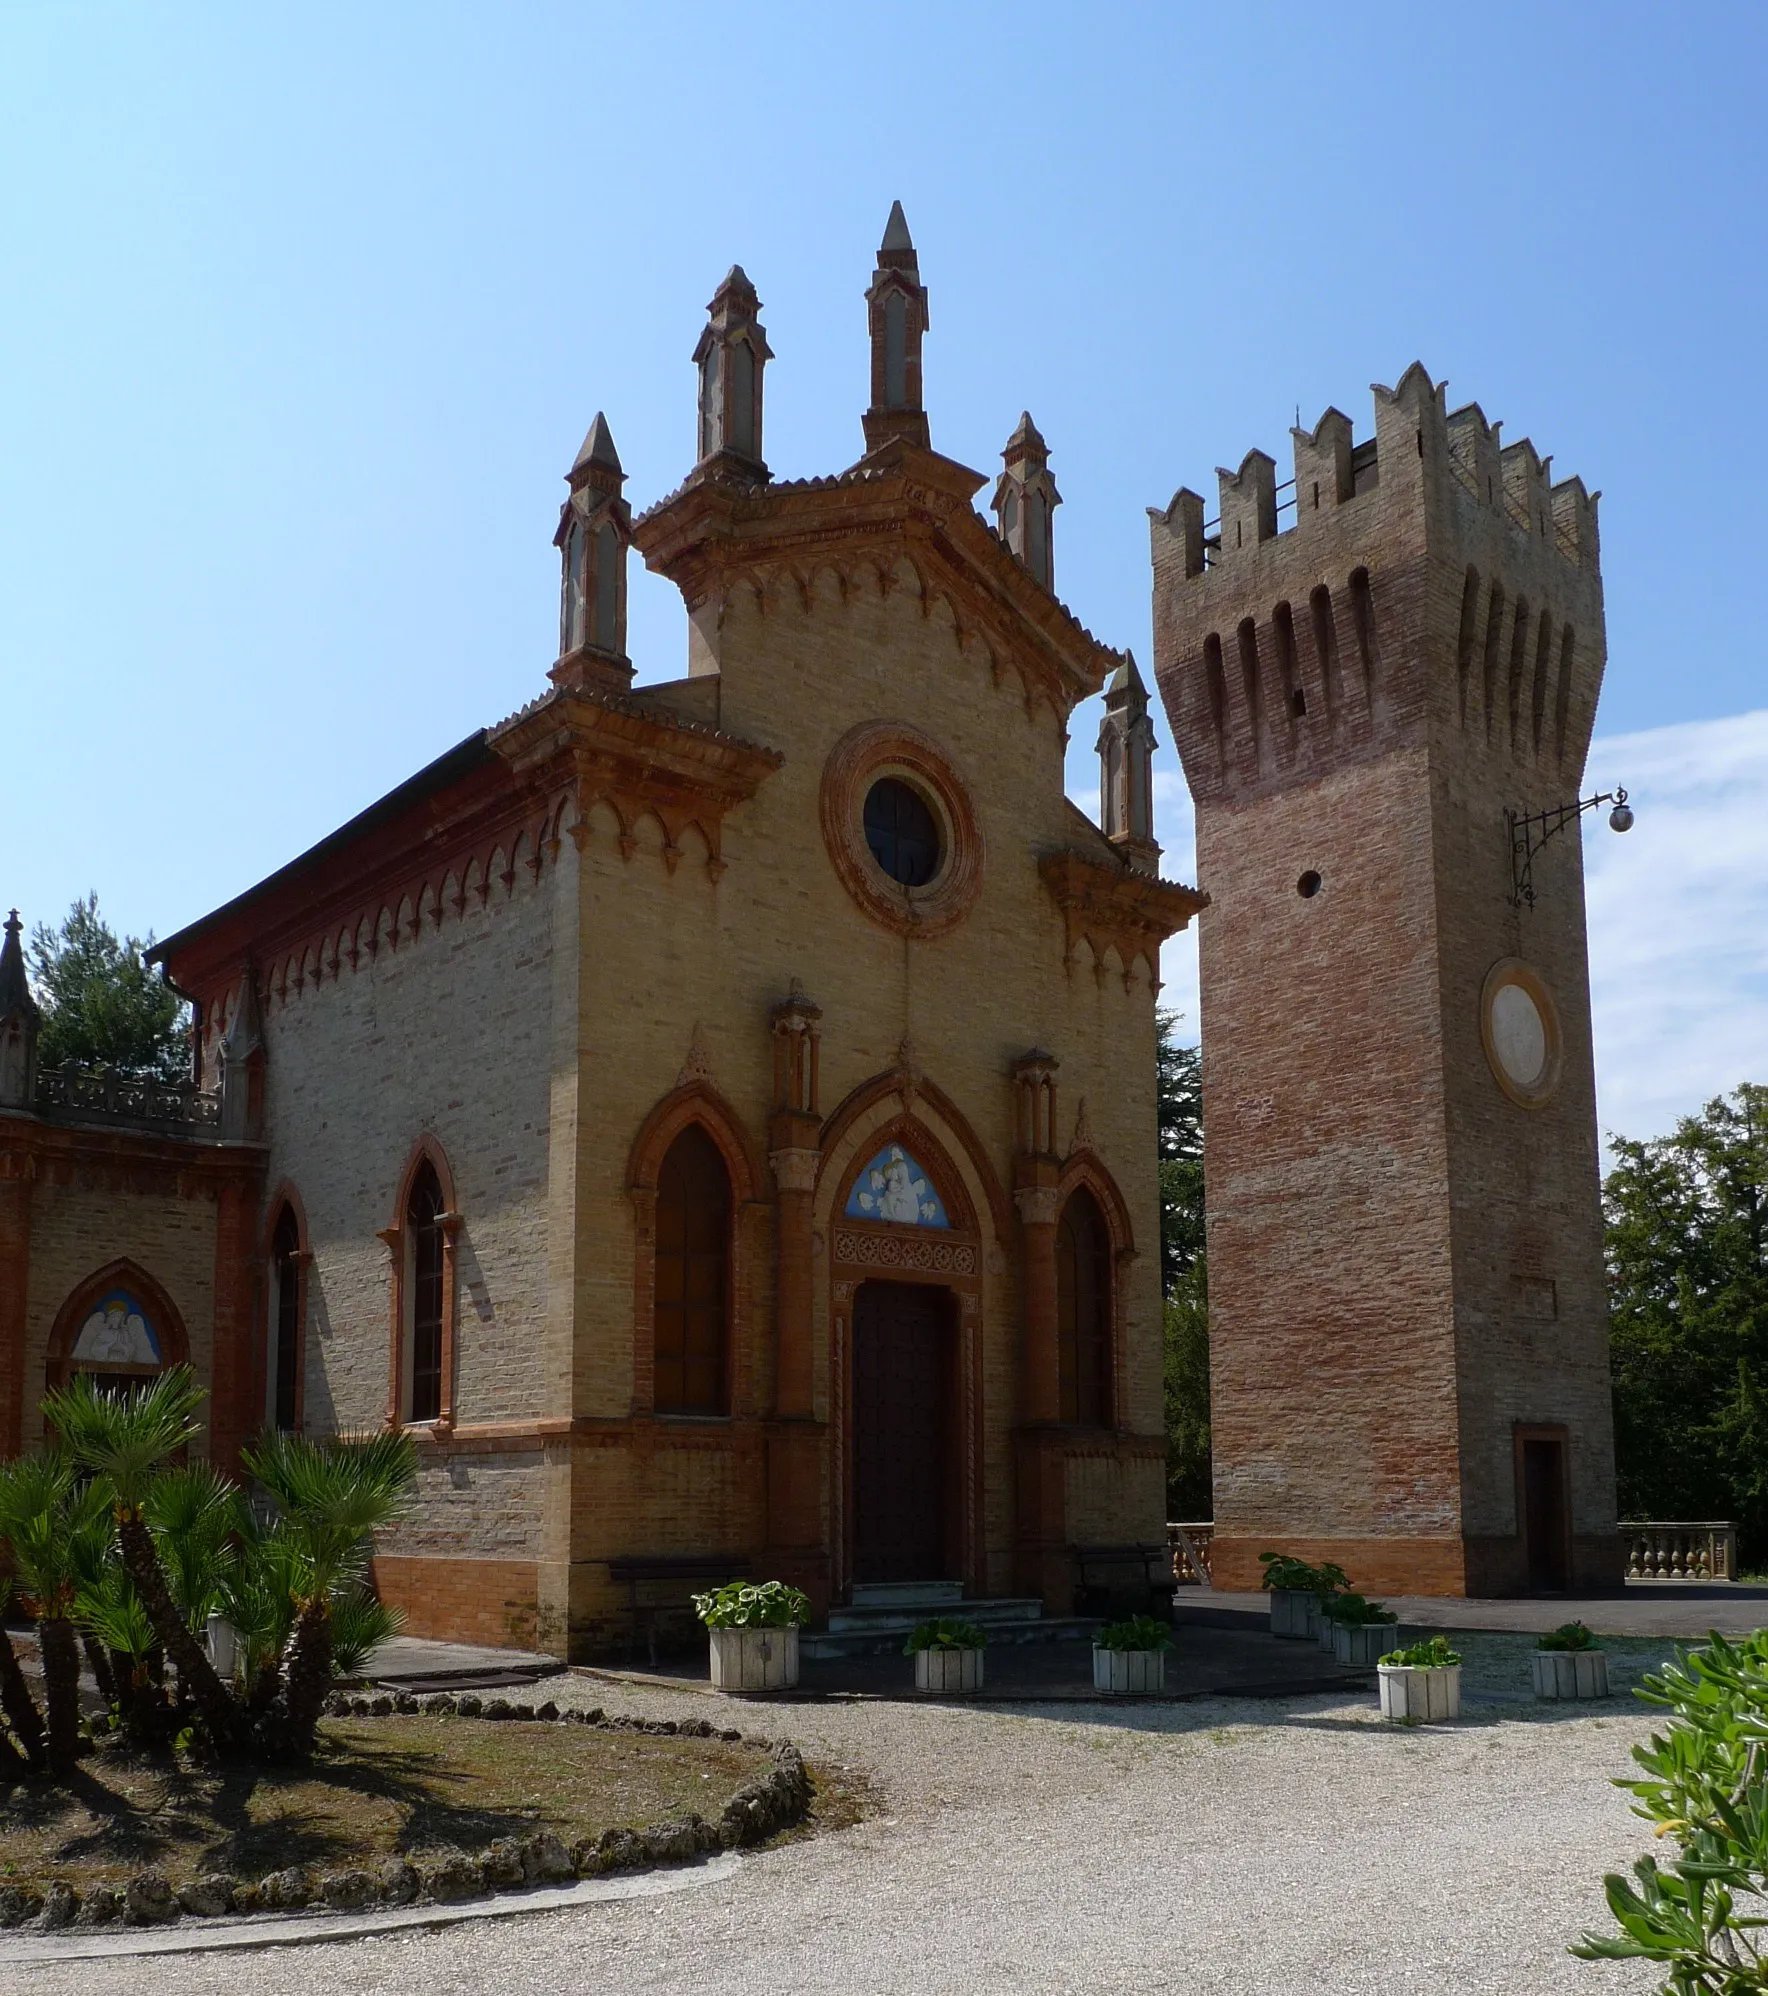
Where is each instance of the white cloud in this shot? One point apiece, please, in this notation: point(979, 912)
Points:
point(1678, 912)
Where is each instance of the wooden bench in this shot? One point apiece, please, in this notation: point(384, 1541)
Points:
point(1116, 1579)
point(681, 1573)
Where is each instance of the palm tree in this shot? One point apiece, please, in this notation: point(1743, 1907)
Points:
point(54, 1519)
point(111, 1610)
point(127, 1442)
point(15, 1699)
point(195, 1515)
point(333, 1496)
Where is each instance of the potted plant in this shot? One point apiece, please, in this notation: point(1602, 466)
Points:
point(1131, 1655)
point(1361, 1629)
point(1295, 1589)
point(947, 1653)
point(1421, 1682)
point(753, 1627)
point(1570, 1664)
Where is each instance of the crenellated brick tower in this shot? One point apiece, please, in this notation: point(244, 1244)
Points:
point(1408, 1323)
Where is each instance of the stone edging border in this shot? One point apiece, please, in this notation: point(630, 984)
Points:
point(509, 1864)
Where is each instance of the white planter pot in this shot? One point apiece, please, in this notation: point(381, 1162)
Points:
point(1129, 1670)
point(754, 1659)
point(1571, 1673)
point(948, 1670)
point(1366, 1644)
point(1295, 1614)
point(1408, 1692)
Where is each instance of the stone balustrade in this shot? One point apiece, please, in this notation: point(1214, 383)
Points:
point(101, 1095)
point(1189, 1545)
point(1658, 1550)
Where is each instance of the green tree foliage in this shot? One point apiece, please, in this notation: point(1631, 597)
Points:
point(102, 1006)
point(1179, 1083)
point(1699, 1917)
point(117, 1544)
point(1184, 1278)
point(1687, 1221)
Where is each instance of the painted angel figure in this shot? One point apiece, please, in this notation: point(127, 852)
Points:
point(902, 1192)
point(116, 1335)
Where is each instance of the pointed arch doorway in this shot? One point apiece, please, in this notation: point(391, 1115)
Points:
point(905, 1398)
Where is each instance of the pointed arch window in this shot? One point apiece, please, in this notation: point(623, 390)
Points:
point(423, 1331)
point(287, 1322)
point(1084, 1312)
point(693, 1286)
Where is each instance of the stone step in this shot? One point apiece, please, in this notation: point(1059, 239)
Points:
point(874, 1640)
point(911, 1593)
point(905, 1614)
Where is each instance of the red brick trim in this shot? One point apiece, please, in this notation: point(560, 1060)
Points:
point(287, 1195)
point(490, 1601)
point(896, 1082)
point(1087, 1168)
point(168, 1320)
point(696, 1102)
point(883, 748)
point(426, 1148)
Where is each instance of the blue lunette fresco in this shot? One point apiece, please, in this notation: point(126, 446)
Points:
point(894, 1187)
point(117, 1331)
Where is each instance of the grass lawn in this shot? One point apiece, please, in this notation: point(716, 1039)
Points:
point(401, 1785)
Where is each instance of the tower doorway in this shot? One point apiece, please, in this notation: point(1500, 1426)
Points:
point(1546, 1514)
point(902, 1399)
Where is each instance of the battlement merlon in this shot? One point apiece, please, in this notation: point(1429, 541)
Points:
point(1417, 440)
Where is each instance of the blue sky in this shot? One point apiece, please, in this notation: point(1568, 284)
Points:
point(309, 309)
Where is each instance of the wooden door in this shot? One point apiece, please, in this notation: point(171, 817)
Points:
point(901, 1367)
point(1546, 1522)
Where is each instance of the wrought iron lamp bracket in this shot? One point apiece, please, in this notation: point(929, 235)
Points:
point(1530, 831)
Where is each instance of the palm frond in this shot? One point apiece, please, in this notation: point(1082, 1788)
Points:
point(333, 1495)
point(112, 1611)
point(126, 1440)
point(56, 1522)
point(257, 1594)
point(359, 1625)
point(194, 1513)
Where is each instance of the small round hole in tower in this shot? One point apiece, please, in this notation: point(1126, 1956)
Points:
point(1308, 885)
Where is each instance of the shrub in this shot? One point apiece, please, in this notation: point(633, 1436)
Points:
point(1296, 1576)
point(1569, 1635)
point(1352, 1611)
point(944, 1632)
point(1138, 1632)
point(1434, 1654)
point(1701, 1916)
point(761, 1604)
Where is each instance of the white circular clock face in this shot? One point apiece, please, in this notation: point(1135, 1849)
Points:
point(1519, 1023)
point(1519, 1035)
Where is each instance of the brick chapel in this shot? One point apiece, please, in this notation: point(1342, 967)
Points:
point(714, 1116)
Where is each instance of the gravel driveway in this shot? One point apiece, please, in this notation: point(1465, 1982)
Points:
point(1232, 1846)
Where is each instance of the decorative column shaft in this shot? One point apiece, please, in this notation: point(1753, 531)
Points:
point(794, 1151)
point(15, 1272)
point(233, 1356)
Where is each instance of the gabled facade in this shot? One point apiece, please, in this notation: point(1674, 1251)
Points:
point(717, 1116)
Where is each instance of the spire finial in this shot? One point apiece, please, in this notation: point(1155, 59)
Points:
point(1025, 498)
point(896, 232)
point(731, 354)
point(595, 528)
point(896, 316)
point(598, 447)
point(15, 989)
point(19, 1021)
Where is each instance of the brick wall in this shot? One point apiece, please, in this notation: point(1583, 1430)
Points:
point(1383, 1218)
